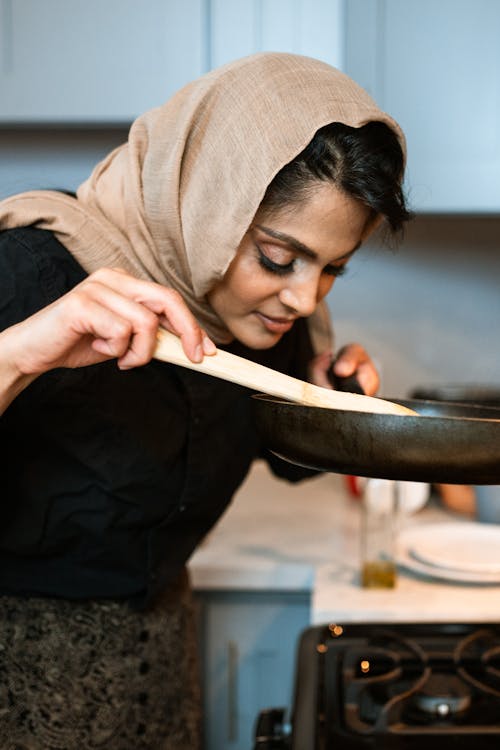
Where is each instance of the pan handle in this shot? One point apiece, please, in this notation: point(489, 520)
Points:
point(349, 384)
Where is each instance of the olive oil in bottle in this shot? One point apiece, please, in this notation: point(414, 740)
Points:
point(378, 533)
point(380, 574)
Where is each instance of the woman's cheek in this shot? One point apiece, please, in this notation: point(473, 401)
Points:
point(325, 284)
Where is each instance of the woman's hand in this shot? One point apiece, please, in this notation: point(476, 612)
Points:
point(108, 315)
point(352, 359)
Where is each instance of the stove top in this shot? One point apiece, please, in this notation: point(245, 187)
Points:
point(414, 680)
point(393, 686)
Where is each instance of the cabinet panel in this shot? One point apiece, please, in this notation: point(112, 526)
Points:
point(306, 27)
point(95, 61)
point(249, 644)
point(89, 60)
point(435, 67)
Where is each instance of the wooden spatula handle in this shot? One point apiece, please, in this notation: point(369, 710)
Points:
point(244, 372)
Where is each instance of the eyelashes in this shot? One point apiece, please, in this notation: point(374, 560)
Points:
point(269, 265)
point(335, 270)
point(283, 269)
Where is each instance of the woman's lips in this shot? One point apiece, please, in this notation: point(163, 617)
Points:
point(275, 325)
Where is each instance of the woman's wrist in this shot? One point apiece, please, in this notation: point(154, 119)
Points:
point(12, 380)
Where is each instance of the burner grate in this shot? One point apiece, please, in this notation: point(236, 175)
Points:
point(406, 680)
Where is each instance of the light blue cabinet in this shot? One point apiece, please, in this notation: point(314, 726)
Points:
point(305, 27)
point(96, 61)
point(248, 649)
point(107, 61)
point(435, 66)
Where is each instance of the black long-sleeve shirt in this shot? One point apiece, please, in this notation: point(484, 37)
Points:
point(110, 479)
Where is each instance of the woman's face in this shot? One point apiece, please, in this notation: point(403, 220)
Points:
point(286, 263)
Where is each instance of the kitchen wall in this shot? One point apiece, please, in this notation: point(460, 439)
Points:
point(35, 158)
point(427, 311)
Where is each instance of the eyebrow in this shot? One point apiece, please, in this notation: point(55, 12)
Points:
point(297, 245)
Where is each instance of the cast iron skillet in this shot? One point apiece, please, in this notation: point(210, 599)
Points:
point(450, 443)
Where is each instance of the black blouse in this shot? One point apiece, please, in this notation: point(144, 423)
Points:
point(110, 479)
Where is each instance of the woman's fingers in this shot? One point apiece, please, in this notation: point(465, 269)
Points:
point(319, 368)
point(109, 315)
point(140, 297)
point(353, 359)
point(120, 326)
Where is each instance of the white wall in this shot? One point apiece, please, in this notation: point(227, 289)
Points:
point(428, 312)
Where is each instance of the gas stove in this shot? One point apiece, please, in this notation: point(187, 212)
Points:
point(386, 686)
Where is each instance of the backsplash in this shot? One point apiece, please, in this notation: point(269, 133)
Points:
point(429, 311)
point(40, 158)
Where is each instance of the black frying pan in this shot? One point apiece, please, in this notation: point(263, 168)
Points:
point(450, 443)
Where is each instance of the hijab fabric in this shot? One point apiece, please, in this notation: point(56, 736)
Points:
point(173, 203)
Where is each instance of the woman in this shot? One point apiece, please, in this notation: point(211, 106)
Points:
point(226, 218)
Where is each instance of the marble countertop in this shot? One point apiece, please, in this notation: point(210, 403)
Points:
point(284, 537)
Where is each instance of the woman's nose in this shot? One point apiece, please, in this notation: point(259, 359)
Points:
point(302, 298)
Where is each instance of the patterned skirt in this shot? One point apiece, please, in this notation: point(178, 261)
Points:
point(87, 675)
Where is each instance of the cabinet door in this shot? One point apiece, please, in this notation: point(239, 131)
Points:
point(249, 642)
point(305, 27)
point(106, 61)
point(435, 66)
point(95, 60)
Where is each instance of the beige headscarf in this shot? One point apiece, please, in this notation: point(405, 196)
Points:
point(174, 202)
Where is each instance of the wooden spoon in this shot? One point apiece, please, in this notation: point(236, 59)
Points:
point(263, 379)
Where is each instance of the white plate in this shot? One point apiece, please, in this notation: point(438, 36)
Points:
point(444, 574)
point(471, 548)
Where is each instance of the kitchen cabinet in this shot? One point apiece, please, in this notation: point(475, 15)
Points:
point(95, 62)
point(89, 61)
point(435, 67)
point(305, 27)
point(248, 647)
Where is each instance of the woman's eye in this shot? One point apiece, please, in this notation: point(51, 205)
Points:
point(335, 270)
point(281, 261)
point(272, 265)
